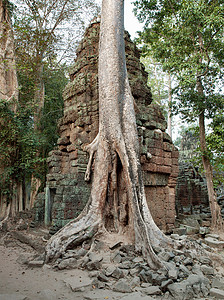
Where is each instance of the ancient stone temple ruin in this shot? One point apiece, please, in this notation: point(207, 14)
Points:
point(191, 191)
point(66, 190)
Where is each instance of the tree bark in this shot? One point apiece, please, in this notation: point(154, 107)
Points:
point(117, 203)
point(217, 221)
point(169, 118)
point(8, 76)
point(8, 84)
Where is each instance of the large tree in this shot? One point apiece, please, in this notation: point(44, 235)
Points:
point(187, 38)
point(117, 203)
point(8, 91)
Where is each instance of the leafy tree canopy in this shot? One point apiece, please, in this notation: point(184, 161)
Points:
point(187, 38)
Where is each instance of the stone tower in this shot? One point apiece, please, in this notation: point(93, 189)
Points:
point(66, 191)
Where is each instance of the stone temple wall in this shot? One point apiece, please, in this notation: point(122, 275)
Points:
point(191, 191)
point(66, 191)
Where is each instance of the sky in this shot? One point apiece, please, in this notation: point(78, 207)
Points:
point(131, 23)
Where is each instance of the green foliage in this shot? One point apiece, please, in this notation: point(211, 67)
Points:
point(157, 80)
point(186, 37)
point(18, 146)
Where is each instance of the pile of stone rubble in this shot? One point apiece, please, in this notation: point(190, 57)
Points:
point(190, 272)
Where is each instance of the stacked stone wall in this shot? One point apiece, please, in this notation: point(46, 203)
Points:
point(66, 191)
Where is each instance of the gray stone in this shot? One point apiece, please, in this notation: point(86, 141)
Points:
point(191, 222)
point(138, 260)
point(190, 287)
point(36, 263)
point(157, 279)
point(218, 283)
point(109, 270)
point(122, 286)
point(80, 253)
point(196, 269)
point(184, 270)
point(152, 290)
point(205, 260)
point(143, 276)
point(134, 271)
point(69, 263)
point(135, 282)
point(165, 284)
point(117, 273)
point(173, 273)
point(95, 257)
point(126, 265)
point(212, 242)
point(217, 293)
point(207, 270)
point(93, 274)
point(80, 283)
point(93, 265)
point(212, 235)
point(188, 261)
point(145, 284)
point(116, 257)
point(102, 277)
point(166, 256)
point(180, 231)
point(190, 229)
point(13, 297)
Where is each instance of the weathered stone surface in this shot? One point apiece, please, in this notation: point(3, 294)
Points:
point(152, 290)
point(173, 273)
point(217, 293)
point(69, 263)
point(218, 283)
point(212, 242)
point(135, 282)
point(117, 273)
point(36, 263)
point(207, 270)
point(190, 287)
point(122, 286)
point(78, 285)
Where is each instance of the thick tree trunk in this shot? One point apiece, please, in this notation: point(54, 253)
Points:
point(169, 119)
point(217, 221)
point(8, 84)
point(39, 94)
point(8, 76)
point(117, 203)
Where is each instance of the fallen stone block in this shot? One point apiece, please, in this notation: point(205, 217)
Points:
point(217, 293)
point(122, 286)
point(78, 284)
point(218, 283)
point(180, 231)
point(152, 290)
point(207, 270)
point(190, 229)
point(212, 242)
point(36, 263)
